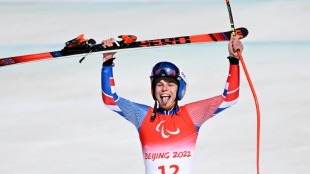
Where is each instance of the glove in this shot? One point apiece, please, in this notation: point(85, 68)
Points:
point(233, 60)
point(108, 62)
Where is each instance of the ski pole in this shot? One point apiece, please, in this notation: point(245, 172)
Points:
point(250, 83)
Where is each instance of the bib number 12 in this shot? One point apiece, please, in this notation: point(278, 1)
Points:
point(163, 171)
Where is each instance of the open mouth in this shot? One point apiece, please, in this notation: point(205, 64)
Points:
point(165, 98)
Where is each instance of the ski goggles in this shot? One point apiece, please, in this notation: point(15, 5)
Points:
point(165, 69)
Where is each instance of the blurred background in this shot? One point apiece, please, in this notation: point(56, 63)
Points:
point(53, 120)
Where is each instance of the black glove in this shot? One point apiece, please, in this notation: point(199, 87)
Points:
point(233, 60)
point(108, 62)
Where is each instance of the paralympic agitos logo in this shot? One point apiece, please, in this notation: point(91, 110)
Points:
point(165, 133)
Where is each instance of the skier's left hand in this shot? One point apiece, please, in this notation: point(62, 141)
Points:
point(235, 45)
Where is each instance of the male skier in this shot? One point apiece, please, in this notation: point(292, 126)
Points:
point(168, 133)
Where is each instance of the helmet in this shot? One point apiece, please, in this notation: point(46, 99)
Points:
point(167, 69)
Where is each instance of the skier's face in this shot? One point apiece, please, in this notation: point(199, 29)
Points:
point(166, 92)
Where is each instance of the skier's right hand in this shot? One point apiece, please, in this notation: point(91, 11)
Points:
point(108, 57)
point(108, 43)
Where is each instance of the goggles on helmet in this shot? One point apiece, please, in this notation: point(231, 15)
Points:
point(165, 69)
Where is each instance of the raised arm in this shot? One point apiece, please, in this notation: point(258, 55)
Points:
point(203, 110)
point(131, 111)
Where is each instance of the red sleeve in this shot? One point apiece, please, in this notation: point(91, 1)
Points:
point(202, 110)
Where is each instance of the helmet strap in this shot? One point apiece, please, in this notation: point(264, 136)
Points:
point(154, 112)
